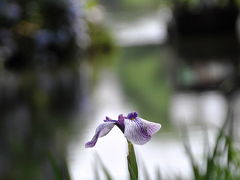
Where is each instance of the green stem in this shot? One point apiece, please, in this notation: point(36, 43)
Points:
point(132, 163)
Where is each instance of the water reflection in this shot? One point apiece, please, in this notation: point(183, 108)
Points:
point(207, 108)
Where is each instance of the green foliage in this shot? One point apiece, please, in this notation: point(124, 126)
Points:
point(104, 169)
point(102, 42)
point(223, 160)
point(132, 163)
point(60, 173)
point(90, 4)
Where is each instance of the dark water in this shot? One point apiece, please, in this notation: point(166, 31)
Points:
point(36, 109)
point(40, 86)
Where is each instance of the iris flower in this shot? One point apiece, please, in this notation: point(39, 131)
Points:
point(135, 129)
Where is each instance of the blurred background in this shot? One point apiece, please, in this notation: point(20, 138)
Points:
point(66, 64)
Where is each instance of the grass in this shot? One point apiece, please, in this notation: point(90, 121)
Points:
point(222, 161)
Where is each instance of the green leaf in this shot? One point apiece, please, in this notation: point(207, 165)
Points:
point(60, 172)
point(158, 174)
point(132, 163)
point(105, 170)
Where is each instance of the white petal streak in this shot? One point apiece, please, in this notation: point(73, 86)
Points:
point(151, 127)
point(135, 132)
point(104, 128)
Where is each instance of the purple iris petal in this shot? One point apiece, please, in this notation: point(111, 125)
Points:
point(120, 123)
point(110, 120)
point(135, 129)
point(121, 119)
point(102, 130)
point(139, 131)
point(151, 127)
point(107, 119)
point(132, 115)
